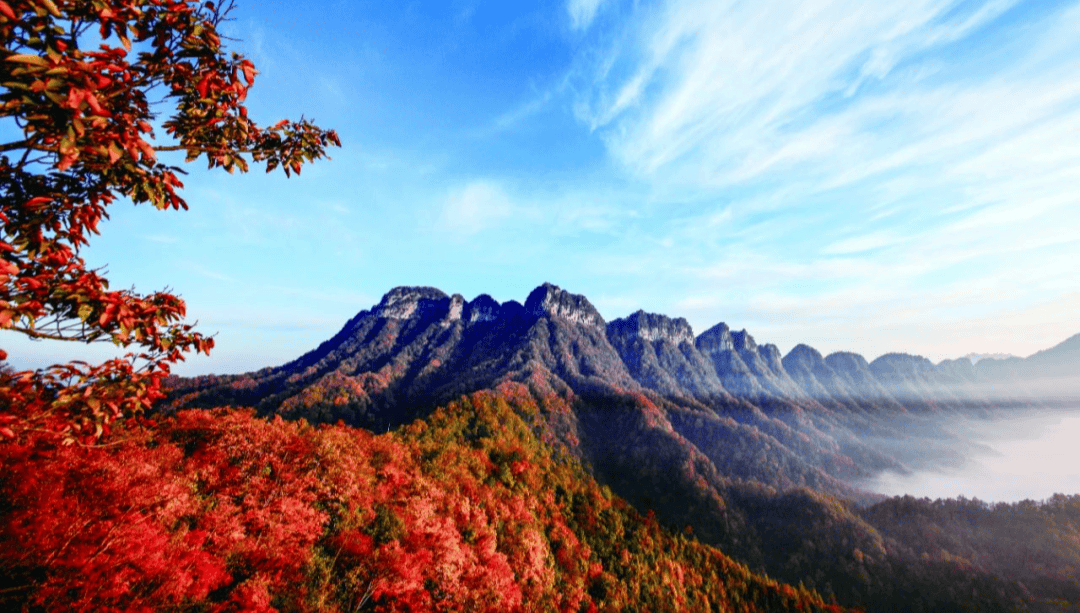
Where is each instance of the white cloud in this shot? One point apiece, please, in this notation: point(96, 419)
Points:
point(519, 113)
point(582, 12)
point(866, 242)
point(475, 207)
point(879, 167)
point(728, 92)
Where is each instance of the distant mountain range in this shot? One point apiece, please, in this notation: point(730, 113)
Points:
point(798, 419)
point(711, 430)
point(976, 357)
point(475, 342)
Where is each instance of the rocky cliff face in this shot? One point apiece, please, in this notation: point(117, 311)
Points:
point(410, 302)
point(717, 344)
point(853, 372)
point(652, 327)
point(806, 366)
point(910, 379)
point(550, 300)
point(715, 340)
point(660, 354)
point(483, 308)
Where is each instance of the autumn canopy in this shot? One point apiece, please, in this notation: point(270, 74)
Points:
point(87, 86)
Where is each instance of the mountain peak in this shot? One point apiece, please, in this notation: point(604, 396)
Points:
point(481, 308)
point(1070, 345)
point(805, 354)
point(404, 302)
point(975, 358)
point(742, 340)
point(653, 327)
point(715, 340)
point(551, 300)
point(847, 362)
point(898, 362)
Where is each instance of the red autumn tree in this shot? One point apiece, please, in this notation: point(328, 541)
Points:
point(82, 83)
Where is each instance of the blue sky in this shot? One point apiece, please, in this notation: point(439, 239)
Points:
point(866, 176)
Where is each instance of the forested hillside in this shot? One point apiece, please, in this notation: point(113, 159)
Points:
point(758, 453)
point(468, 510)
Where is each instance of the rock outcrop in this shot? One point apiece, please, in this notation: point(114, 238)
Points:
point(551, 300)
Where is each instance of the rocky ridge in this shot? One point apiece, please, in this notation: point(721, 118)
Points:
point(418, 343)
point(714, 430)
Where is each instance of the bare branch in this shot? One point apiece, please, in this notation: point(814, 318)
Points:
point(37, 334)
point(26, 143)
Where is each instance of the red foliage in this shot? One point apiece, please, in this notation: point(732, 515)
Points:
point(108, 528)
point(221, 511)
point(85, 115)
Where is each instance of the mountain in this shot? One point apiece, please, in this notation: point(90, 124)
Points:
point(975, 358)
point(419, 348)
point(761, 454)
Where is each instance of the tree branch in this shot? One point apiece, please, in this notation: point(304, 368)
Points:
point(33, 333)
point(19, 144)
point(202, 149)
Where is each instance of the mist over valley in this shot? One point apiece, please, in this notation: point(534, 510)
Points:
point(1010, 457)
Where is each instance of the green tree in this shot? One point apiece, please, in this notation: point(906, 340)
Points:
point(83, 80)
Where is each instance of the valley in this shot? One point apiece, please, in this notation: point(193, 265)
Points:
point(1022, 455)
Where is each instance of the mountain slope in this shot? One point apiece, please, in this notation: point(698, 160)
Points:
point(466, 511)
point(713, 431)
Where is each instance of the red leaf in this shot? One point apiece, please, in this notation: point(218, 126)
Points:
point(43, 274)
point(95, 106)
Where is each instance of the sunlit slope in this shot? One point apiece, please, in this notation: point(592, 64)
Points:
point(467, 510)
point(755, 451)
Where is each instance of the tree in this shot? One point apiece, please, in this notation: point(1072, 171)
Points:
point(85, 114)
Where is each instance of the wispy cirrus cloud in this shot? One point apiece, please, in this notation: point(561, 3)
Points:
point(582, 12)
point(736, 89)
point(870, 161)
point(831, 95)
